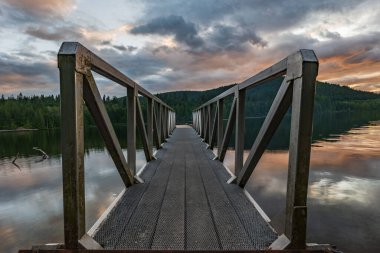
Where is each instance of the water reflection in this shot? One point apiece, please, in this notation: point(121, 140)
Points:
point(31, 197)
point(344, 183)
point(344, 186)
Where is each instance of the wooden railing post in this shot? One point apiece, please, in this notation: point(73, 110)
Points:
point(239, 130)
point(173, 121)
point(207, 119)
point(195, 116)
point(167, 122)
point(220, 125)
point(199, 121)
point(193, 120)
point(72, 146)
point(303, 67)
point(149, 123)
point(170, 121)
point(160, 115)
point(214, 128)
point(209, 123)
point(131, 127)
point(202, 123)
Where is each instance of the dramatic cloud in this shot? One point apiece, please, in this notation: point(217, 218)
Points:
point(232, 37)
point(197, 45)
point(184, 32)
point(21, 75)
point(31, 10)
point(124, 48)
point(53, 33)
point(266, 15)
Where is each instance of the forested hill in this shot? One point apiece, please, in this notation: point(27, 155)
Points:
point(329, 98)
point(43, 111)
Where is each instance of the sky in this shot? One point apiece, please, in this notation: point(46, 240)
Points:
point(173, 45)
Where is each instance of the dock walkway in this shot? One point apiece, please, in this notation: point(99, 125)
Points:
point(185, 203)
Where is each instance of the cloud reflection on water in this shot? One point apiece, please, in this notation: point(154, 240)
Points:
point(344, 184)
point(31, 199)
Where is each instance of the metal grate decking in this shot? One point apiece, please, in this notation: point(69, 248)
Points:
point(185, 203)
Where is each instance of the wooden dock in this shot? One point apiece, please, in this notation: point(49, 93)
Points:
point(185, 199)
point(185, 202)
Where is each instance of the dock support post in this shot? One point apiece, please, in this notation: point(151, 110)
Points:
point(239, 130)
point(304, 68)
point(131, 128)
point(72, 145)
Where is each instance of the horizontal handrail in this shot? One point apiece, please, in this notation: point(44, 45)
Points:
point(297, 90)
point(86, 59)
point(77, 84)
point(270, 73)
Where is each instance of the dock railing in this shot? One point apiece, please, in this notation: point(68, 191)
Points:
point(297, 90)
point(78, 87)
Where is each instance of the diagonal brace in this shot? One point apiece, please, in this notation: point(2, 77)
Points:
point(98, 111)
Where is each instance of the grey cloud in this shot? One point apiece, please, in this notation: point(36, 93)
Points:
point(290, 43)
point(184, 32)
point(118, 47)
point(105, 42)
point(26, 76)
point(370, 54)
point(36, 10)
point(365, 45)
point(232, 38)
point(8, 65)
point(124, 48)
point(136, 66)
point(265, 15)
point(330, 35)
point(53, 33)
point(70, 32)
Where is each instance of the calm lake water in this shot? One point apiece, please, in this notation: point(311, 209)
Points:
point(344, 182)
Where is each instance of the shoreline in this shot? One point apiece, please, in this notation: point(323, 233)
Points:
point(19, 130)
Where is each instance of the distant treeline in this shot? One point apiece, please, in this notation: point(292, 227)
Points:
point(43, 112)
point(329, 98)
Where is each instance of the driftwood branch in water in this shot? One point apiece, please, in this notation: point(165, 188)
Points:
point(44, 155)
point(14, 161)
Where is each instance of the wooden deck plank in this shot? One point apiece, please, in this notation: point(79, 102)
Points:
point(170, 229)
point(199, 220)
point(228, 226)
